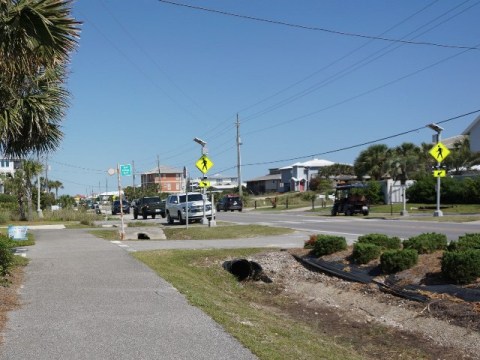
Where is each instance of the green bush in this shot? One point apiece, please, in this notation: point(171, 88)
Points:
point(465, 242)
point(364, 252)
point(310, 243)
point(426, 243)
point(6, 258)
point(329, 244)
point(382, 240)
point(462, 267)
point(392, 261)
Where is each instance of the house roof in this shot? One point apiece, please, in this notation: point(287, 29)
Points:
point(471, 126)
point(310, 163)
point(267, 177)
point(315, 163)
point(164, 170)
point(449, 142)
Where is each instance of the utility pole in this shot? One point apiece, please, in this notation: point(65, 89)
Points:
point(159, 174)
point(133, 178)
point(239, 162)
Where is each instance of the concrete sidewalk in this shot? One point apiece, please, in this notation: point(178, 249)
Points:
point(86, 298)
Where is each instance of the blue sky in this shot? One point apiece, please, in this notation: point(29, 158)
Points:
point(149, 76)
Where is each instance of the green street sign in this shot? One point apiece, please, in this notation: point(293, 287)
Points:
point(126, 170)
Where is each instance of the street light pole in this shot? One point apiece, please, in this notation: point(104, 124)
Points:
point(438, 129)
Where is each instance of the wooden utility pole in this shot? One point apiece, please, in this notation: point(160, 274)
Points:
point(159, 174)
point(239, 163)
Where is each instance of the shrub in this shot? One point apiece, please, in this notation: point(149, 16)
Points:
point(392, 261)
point(329, 244)
point(426, 243)
point(462, 267)
point(382, 240)
point(365, 252)
point(465, 242)
point(6, 257)
point(310, 243)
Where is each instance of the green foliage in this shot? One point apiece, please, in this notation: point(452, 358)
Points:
point(309, 196)
point(382, 240)
point(363, 253)
point(462, 267)
point(329, 244)
point(426, 243)
point(320, 184)
point(392, 261)
point(310, 243)
point(374, 193)
point(4, 217)
point(453, 190)
point(465, 242)
point(6, 257)
point(422, 191)
point(80, 215)
point(66, 202)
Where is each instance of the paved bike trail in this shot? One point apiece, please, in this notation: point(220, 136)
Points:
point(86, 298)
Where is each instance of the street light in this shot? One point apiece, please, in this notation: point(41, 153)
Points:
point(439, 130)
point(201, 142)
point(204, 152)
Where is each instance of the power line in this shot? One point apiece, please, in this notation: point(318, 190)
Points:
point(359, 95)
point(313, 28)
point(358, 65)
point(356, 145)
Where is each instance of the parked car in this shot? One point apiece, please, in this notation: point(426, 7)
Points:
point(148, 206)
point(176, 208)
point(230, 203)
point(116, 207)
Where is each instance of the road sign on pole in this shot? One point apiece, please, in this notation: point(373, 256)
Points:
point(439, 152)
point(439, 173)
point(204, 183)
point(204, 164)
point(126, 170)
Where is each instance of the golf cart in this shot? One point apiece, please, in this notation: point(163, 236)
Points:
point(350, 199)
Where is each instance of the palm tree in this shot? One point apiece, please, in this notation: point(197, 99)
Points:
point(461, 157)
point(404, 162)
point(36, 40)
point(21, 185)
point(55, 185)
point(373, 161)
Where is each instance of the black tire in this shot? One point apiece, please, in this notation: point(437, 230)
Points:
point(240, 210)
point(169, 219)
point(135, 215)
point(182, 220)
point(153, 216)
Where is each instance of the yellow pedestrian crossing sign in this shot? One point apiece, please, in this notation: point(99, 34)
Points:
point(204, 164)
point(439, 152)
point(439, 173)
point(204, 183)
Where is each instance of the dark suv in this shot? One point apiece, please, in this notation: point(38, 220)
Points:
point(149, 206)
point(116, 207)
point(230, 202)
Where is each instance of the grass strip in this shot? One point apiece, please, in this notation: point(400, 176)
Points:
point(223, 232)
point(245, 312)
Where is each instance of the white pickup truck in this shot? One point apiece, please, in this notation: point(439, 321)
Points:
point(176, 207)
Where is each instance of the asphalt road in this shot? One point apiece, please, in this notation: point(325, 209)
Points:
point(86, 298)
point(350, 226)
